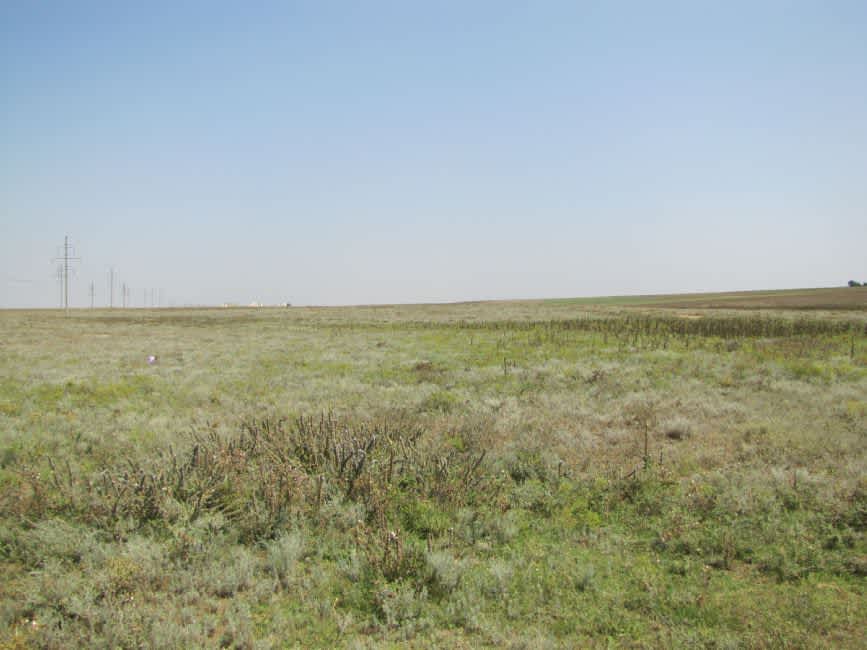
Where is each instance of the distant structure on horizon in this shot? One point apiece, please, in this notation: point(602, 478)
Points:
point(256, 304)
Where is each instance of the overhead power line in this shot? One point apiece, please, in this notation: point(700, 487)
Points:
point(65, 259)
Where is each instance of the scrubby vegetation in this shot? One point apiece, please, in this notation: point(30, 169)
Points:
point(518, 475)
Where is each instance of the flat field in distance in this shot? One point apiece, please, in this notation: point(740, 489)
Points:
point(640, 472)
point(829, 299)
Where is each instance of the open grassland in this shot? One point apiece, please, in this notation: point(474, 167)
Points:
point(526, 475)
point(830, 299)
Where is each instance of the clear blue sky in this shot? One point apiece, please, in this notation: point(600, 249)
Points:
point(356, 152)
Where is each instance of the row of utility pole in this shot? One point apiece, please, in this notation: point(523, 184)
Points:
point(150, 297)
point(63, 269)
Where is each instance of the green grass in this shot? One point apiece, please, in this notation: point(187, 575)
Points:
point(457, 476)
point(828, 299)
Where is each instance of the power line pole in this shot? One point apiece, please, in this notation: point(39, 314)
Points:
point(66, 274)
point(111, 287)
point(64, 271)
point(123, 294)
point(91, 294)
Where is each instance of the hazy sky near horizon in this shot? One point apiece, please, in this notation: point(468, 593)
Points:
point(360, 152)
